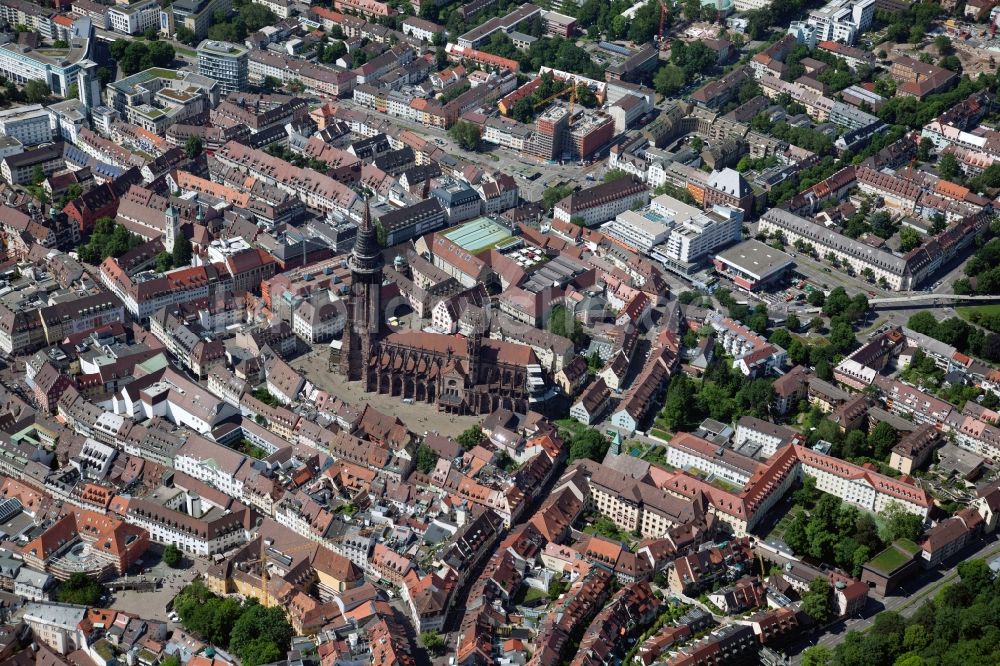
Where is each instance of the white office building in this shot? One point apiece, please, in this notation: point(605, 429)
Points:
point(58, 68)
point(136, 18)
point(641, 231)
point(694, 234)
point(842, 20)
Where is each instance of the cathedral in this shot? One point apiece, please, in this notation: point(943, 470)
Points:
point(461, 375)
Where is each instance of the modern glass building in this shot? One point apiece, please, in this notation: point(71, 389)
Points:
point(226, 63)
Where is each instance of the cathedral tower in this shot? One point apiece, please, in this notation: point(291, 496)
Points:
point(364, 304)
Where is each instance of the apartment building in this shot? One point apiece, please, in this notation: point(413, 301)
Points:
point(762, 437)
point(29, 124)
point(19, 169)
point(57, 625)
point(422, 29)
point(686, 451)
point(316, 190)
point(315, 77)
point(859, 486)
point(592, 403)
point(217, 465)
point(695, 234)
point(602, 202)
point(35, 17)
point(508, 24)
point(915, 448)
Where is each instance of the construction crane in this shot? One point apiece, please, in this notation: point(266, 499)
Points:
point(263, 559)
point(552, 97)
point(664, 10)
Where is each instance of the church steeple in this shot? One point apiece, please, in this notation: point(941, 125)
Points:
point(173, 228)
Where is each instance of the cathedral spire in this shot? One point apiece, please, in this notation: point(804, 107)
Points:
point(366, 255)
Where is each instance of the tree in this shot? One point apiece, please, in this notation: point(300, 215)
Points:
point(908, 239)
point(466, 134)
point(470, 437)
point(257, 16)
point(816, 298)
point(193, 147)
point(668, 80)
point(614, 174)
point(924, 149)
point(898, 523)
point(260, 651)
point(943, 44)
point(855, 445)
point(837, 301)
point(781, 337)
point(881, 440)
point(585, 96)
point(426, 458)
point(563, 323)
point(687, 297)
point(81, 589)
point(151, 34)
point(182, 251)
point(556, 588)
point(817, 655)
point(185, 35)
point(589, 443)
point(258, 625)
point(36, 91)
point(334, 51)
point(554, 195)
point(923, 322)
point(172, 556)
point(796, 536)
point(676, 412)
point(433, 642)
point(758, 321)
point(161, 54)
point(948, 167)
point(816, 600)
point(841, 336)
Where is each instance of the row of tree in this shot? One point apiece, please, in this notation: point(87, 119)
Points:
point(958, 333)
